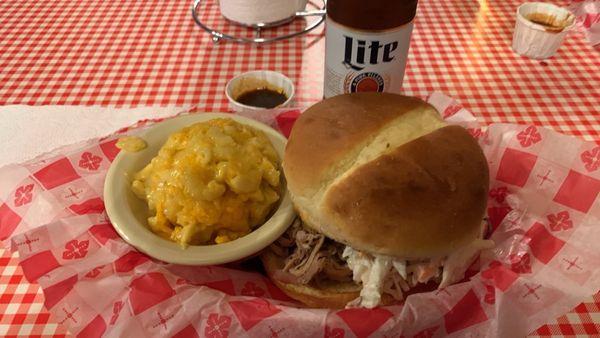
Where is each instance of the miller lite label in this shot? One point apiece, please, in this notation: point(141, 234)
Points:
point(361, 61)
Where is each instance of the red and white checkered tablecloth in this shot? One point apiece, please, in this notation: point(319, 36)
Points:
point(137, 53)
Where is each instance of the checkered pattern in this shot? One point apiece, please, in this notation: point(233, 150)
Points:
point(467, 55)
point(584, 321)
point(129, 53)
point(22, 304)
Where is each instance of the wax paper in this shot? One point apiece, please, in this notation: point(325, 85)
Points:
point(587, 13)
point(543, 207)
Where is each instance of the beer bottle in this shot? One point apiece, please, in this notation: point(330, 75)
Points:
point(366, 44)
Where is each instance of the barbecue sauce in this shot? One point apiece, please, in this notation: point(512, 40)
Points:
point(262, 97)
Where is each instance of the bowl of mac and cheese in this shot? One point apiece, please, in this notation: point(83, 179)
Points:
point(206, 189)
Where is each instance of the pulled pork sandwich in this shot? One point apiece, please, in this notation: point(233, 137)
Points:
point(389, 197)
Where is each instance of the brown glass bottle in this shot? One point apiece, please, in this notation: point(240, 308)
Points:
point(367, 44)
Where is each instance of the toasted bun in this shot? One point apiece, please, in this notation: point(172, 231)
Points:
point(383, 173)
point(333, 295)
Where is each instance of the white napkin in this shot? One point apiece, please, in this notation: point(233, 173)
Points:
point(29, 131)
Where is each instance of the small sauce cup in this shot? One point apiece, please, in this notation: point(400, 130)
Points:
point(256, 80)
point(540, 29)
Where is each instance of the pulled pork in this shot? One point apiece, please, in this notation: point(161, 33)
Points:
point(309, 256)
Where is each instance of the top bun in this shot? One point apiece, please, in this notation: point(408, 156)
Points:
point(384, 174)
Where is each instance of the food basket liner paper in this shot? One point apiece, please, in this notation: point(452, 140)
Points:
point(543, 207)
point(587, 13)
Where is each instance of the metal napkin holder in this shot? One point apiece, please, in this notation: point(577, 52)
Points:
point(259, 27)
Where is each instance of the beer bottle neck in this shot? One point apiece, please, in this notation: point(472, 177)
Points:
point(372, 14)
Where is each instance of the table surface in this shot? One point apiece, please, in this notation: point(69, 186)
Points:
point(132, 53)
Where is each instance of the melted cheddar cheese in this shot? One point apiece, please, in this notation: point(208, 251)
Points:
point(211, 182)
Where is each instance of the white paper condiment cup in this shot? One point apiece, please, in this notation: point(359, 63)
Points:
point(535, 40)
point(255, 80)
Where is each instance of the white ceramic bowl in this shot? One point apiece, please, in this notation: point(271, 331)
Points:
point(537, 41)
point(128, 213)
point(258, 79)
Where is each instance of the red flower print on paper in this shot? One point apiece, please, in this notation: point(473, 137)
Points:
point(23, 195)
point(90, 161)
point(94, 273)
point(217, 326)
point(116, 310)
point(490, 294)
point(335, 332)
point(529, 136)
point(76, 249)
point(520, 264)
point(451, 110)
point(251, 289)
point(499, 194)
point(560, 221)
point(591, 159)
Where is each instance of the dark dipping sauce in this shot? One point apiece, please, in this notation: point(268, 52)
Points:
point(262, 97)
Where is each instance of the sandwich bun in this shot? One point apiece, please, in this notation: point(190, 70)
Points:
point(384, 174)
